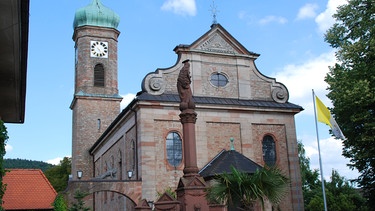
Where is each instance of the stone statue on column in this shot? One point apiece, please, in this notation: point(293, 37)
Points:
point(184, 89)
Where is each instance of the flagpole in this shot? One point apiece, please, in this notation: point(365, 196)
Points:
point(320, 158)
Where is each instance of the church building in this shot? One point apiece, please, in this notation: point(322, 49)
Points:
point(121, 157)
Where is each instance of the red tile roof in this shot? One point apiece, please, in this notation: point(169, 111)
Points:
point(27, 189)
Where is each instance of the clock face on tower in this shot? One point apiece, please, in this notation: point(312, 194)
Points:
point(99, 49)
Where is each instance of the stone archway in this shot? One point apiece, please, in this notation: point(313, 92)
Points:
point(129, 189)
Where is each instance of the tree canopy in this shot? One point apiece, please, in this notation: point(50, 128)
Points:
point(17, 163)
point(352, 86)
point(3, 139)
point(341, 194)
point(58, 175)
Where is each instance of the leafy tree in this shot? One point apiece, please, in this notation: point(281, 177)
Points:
point(340, 193)
point(352, 86)
point(3, 138)
point(18, 163)
point(311, 185)
point(344, 194)
point(58, 176)
point(310, 178)
point(60, 204)
point(241, 190)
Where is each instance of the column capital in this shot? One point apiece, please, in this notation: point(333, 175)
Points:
point(188, 116)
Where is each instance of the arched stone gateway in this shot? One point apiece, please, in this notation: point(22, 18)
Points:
point(130, 189)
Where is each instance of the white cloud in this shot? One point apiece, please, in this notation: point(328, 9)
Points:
point(325, 19)
point(307, 11)
point(126, 99)
point(8, 148)
point(300, 79)
point(242, 15)
point(310, 151)
point(245, 16)
point(330, 151)
point(271, 18)
point(180, 7)
point(54, 161)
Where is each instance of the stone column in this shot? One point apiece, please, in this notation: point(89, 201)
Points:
point(190, 189)
point(188, 119)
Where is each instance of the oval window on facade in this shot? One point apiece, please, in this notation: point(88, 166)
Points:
point(174, 149)
point(218, 79)
point(269, 150)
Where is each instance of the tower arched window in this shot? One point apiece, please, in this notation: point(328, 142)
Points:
point(269, 150)
point(174, 149)
point(99, 75)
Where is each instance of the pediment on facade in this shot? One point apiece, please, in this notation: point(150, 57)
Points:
point(216, 43)
point(218, 40)
point(217, 54)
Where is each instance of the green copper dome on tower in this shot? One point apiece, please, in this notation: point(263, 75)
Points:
point(96, 14)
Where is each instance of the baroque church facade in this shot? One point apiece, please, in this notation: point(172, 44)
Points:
point(137, 153)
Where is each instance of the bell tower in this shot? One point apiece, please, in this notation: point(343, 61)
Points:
point(96, 102)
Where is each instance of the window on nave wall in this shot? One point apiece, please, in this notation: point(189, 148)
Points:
point(119, 163)
point(269, 150)
point(174, 149)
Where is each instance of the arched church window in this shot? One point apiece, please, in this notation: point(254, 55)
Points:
point(112, 162)
point(132, 155)
point(119, 157)
point(219, 79)
point(99, 75)
point(174, 149)
point(269, 150)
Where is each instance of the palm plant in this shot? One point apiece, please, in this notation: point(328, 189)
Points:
point(241, 189)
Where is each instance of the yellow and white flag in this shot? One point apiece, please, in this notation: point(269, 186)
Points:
point(325, 116)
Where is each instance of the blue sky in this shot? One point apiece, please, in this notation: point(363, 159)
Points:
point(289, 35)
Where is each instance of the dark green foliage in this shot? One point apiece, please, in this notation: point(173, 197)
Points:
point(60, 204)
point(3, 138)
point(340, 193)
point(58, 175)
point(26, 164)
point(80, 204)
point(239, 189)
point(352, 87)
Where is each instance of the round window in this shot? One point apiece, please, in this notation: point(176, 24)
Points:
point(219, 79)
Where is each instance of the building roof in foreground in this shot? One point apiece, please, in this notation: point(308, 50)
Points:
point(225, 160)
point(27, 189)
point(14, 42)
